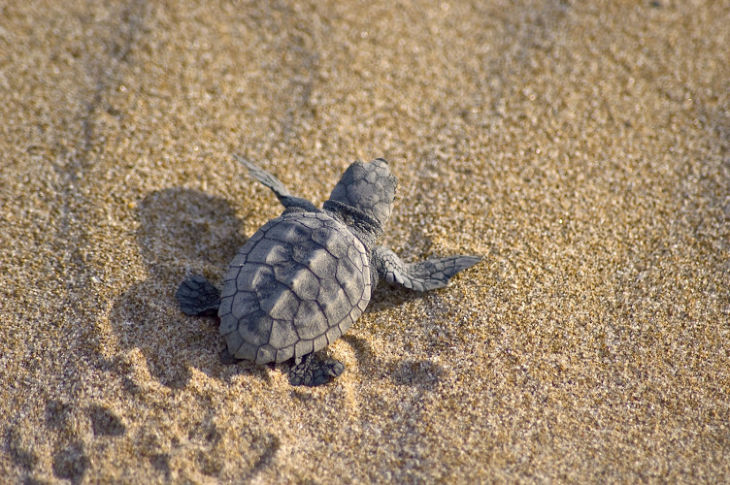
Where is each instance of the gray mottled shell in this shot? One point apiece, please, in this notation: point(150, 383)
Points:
point(293, 288)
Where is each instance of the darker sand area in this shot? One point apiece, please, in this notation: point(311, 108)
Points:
point(580, 147)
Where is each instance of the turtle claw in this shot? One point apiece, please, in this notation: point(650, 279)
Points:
point(198, 297)
point(314, 370)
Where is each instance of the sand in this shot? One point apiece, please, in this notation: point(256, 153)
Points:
point(580, 147)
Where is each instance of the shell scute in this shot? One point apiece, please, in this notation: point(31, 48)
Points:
point(310, 320)
point(283, 334)
point(321, 263)
point(242, 304)
point(253, 276)
point(284, 306)
point(301, 282)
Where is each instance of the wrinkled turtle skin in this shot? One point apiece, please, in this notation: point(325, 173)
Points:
point(306, 276)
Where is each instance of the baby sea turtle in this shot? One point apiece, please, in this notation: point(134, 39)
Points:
point(304, 278)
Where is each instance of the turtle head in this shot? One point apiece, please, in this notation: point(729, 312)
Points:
point(367, 187)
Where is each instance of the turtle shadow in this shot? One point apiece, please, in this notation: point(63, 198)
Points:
point(388, 296)
point(181, 231)
point(422, 374)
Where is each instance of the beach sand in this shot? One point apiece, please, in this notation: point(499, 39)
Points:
point(581, 148)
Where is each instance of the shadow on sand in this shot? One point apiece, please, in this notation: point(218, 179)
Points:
point(181, 231)
point(184, 231)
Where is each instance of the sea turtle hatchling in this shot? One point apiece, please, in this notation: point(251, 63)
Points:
point(302, 279)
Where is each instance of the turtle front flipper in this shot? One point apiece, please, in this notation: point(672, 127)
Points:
point(198, 297)
point(282, 193)
point(314, 370)
point(421, 276)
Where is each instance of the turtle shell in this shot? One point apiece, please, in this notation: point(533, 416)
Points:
point(293, 288)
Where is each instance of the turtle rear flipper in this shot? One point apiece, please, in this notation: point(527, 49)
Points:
point(282, 193)
point(421, 276)
point(314, 370)
point(198, 297)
